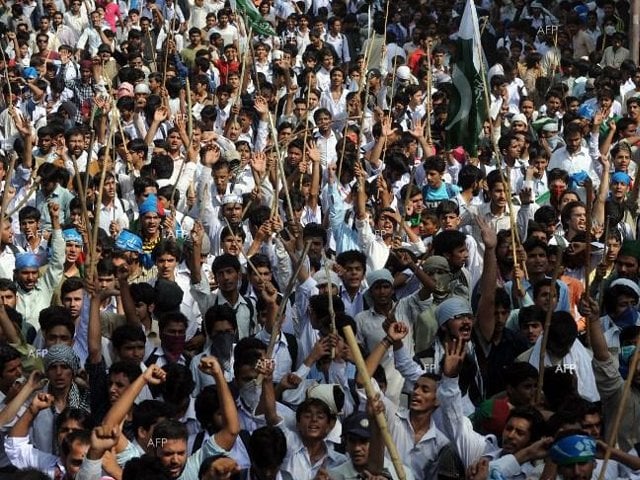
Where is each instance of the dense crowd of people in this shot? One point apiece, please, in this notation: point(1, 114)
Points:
point(203, 201)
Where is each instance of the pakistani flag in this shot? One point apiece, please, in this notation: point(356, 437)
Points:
point(467, 109)
point(252, 17)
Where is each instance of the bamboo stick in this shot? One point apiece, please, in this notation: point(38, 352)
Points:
point(381, 420)
point(7, 185)
point(275, 329)
point(587, 267)
point(332, 313)
point(98, 207)
point(545, 335)
point(612, 440)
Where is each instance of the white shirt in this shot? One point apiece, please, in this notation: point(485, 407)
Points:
point(298, 463)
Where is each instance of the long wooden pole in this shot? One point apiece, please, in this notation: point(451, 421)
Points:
point(587, 266)
point(381, 420)
point(547, 323)
point(98, 206)
point(7, 185)
point(277, 326)
point(612, 440)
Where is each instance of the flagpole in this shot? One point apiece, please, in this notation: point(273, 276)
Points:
point(515, 240)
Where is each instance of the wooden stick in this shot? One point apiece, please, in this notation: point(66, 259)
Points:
point(7, 185)
point(25, 199)
point(381, 420)
point(612, 440)
point(249, 262)
point(553, 296)
point(428, 99)
point(275, 329)
point(98, 207)
point(604, 257)
point(83, 199)
point(283, 177)
point(332, 313)
point(188, 146)
point(587, 267)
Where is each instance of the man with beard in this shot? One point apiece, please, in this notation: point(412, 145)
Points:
point(522, 440)
point(35, 290)
point(226, 269)
point(51, 191)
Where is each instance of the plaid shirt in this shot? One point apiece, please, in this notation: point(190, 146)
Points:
point(83, 98)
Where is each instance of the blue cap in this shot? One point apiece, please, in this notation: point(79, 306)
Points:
point(573, 449)
point(129, 242)
point(30, 72)
point(71, 235)
point(621, 177)
point(151, 204)
point(26, 260)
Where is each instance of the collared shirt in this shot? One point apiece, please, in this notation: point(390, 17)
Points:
point(113, 213)
point(61, 196)
point(353, 306)
point(22, 454)
point(281, 355)
point(420, 456)
point(347, 471)
point(245, 313)
point(298, 463)
point(31, 302)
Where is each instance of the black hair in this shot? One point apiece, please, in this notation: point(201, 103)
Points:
point(449, 240)
point(267, 447)
point(219, 313)
point(130, 369)
point(56, 316)
point(127, 333)
point(225, 261)
point(145, 467)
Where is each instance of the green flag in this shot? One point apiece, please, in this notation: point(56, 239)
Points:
point(252, 17)
point(467, 109)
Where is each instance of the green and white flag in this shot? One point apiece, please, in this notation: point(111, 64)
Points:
point(252, 17)
point(467, 109)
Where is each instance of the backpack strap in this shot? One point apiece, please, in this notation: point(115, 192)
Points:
point(197, 443)
point(245, 435)
point(292, 346)
point(153, 358)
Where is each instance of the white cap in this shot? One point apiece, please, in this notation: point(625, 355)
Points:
point(403, 72)
point(142, 88)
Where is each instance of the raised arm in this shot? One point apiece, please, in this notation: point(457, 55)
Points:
point(488, 281)
point(39, 403)
point(153, 375)
point(128, 304)
point(226, 437)
point(603, 192)
point(589, 308)
point(33, 384)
